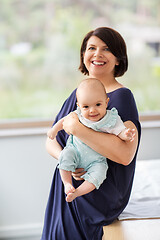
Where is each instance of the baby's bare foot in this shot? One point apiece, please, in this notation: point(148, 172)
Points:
point(69, 188)
point(70, 197)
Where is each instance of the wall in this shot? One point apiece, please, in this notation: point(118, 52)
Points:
point(149, 145)
point(25, 177)
point(26, 173)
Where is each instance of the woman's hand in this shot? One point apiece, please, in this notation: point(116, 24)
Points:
point(78, 173)
point(70, 123)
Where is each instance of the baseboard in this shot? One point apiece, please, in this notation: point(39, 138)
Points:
point(21, 232)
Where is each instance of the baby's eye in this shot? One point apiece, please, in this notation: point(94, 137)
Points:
point(98, 104)
point(85, 106)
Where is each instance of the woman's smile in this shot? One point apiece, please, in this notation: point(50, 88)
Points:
point(98, 63)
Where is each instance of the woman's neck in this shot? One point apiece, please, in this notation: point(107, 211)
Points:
point(111, 86)
point(110, 83)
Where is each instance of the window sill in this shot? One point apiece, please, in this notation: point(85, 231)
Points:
point(25, 127)
point(25, 123)
point(149, 117)
point(20, 127)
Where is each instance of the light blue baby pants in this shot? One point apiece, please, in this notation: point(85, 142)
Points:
point(76, 154)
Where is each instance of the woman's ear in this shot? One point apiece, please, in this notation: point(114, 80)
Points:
point(117, 63)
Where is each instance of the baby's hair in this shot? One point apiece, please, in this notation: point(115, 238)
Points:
point(92, 82)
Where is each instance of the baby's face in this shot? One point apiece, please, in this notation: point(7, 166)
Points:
point(93, 105)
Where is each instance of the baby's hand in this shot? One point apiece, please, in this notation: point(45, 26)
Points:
point(129, 134)
point(73, 115)
point(70, 122)
point(51, 133)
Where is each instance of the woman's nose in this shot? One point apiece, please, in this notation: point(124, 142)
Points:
point(98, 53)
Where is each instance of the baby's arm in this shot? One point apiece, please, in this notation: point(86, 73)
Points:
point(59, 126)
point(127, 134)
point(55, 129)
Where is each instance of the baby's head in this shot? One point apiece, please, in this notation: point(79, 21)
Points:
point(92, 99)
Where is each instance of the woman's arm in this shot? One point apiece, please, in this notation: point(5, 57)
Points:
point(52, 146)
point(107, 145)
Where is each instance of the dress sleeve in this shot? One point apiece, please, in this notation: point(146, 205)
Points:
point(123, 100)
point(68, 106)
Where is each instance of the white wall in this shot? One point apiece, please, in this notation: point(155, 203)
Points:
point(26, 172)
point(150, 141)
point(25, 176)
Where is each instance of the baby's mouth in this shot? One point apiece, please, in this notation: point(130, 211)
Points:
point(93, 116)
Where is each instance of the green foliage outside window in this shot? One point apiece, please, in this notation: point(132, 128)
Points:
point(39, 51)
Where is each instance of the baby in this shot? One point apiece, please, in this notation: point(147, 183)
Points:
point(92, 111)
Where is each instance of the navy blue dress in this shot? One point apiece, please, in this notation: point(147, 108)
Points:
point(84, 218)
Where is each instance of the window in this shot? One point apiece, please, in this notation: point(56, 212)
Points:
point(39, 51)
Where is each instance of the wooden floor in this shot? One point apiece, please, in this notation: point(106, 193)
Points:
point(145, 229)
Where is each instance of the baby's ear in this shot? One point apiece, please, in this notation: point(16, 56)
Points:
point(77, 104)
point(107, 100)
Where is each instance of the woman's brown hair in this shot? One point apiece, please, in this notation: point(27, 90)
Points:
point(114, 42)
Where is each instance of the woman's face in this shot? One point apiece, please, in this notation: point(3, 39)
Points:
point(98, 59)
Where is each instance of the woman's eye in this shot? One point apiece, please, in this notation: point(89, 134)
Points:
point(107, 49)
point(91, 48)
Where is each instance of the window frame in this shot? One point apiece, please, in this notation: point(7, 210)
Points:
point(45, 123)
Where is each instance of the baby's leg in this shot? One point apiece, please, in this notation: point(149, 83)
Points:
point(66, 177)
point(84, 188)
point(67, 164)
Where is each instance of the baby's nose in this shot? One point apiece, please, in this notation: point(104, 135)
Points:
point(92, 109)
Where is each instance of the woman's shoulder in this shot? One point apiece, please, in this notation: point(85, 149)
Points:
point(125, 91)
point(123, 100)
point(71, 100)
point(72, 96)
point(68, 106)
point(121, 91)
point(121, 96)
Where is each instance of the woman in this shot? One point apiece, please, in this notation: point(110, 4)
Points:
point(103, 56)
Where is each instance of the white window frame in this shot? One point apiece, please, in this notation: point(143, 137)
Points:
point(45, 123)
